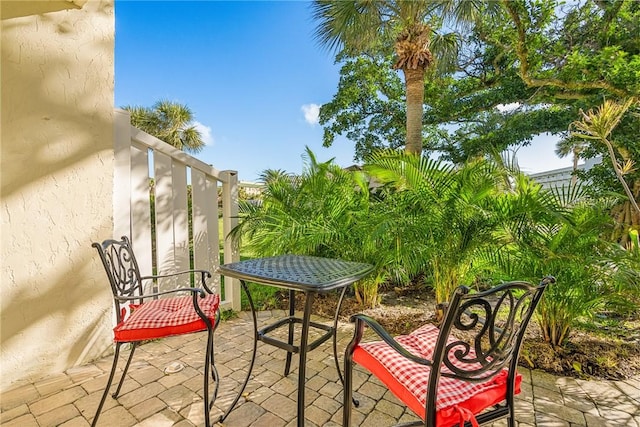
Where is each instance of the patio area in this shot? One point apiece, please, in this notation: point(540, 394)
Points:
point(151, 397)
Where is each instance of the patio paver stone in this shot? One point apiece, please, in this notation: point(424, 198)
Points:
point(151, 397)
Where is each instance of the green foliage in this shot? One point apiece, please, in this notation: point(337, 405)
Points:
point(546, 59)
point(447, 213)
point(471, 222)
point(228, 315)
point(310, 214)
point(596, 42)
point(567, 244)
point(597, 129)
point(263, 297)
point(413, 217)
point(627, 279)
point(368, 107)
point(323, 212)
point(568, 56)
point(589, 53)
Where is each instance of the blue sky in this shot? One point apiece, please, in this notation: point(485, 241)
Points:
point(252, 74)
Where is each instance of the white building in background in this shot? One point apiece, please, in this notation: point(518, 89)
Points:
point(562, 176)
point(252, 189)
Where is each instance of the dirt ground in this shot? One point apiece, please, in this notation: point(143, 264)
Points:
point(614, 353)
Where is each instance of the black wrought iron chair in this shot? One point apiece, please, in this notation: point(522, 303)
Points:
point(463, 373)
point(141, 317)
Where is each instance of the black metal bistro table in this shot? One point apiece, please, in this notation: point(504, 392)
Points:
point(311, 275)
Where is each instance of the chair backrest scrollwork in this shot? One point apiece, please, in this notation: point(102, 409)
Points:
point(122, 270)
point(481, 333)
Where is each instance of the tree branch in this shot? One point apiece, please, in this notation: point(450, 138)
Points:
point(523, 56)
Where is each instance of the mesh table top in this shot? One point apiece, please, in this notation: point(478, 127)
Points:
point(298, 272)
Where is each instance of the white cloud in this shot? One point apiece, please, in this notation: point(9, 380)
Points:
point(311, 113)
point(205, 131)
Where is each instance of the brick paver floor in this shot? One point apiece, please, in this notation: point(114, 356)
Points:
point(151, 397)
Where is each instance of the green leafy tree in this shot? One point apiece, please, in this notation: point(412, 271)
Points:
point(358, 27)
point(170, 122)
point(368, 107)
point(593, 56)
point(558, 59)
point(546, 60)
point(552, 59)
point(593, 53)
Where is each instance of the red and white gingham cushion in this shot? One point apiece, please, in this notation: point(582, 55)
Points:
point(165, 317)
point(409, 381)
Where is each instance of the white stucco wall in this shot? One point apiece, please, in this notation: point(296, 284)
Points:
point(56, 177)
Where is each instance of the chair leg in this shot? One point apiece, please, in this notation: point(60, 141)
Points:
point(134, 345)
point(208, 364)
point(348, 390)
point(511, 420)
point(214, 372)
point(214, 375)
point(109, 381)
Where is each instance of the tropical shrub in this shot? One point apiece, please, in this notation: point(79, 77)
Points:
point(454, 210)
point(309, 214)
point(322, 212)
point(563, 239)
point(627, 278)
point(412, 216)
point(420, 216)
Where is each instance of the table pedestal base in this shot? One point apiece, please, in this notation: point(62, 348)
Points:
point(288, 346)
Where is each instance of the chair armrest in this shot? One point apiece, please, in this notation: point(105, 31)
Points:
point(156, 276)
point(195, 291)
point(204, 274)
point(361, 320)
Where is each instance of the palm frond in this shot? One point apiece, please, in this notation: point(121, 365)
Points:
point(349, 24)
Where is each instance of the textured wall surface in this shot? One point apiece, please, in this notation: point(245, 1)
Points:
point(56, 189)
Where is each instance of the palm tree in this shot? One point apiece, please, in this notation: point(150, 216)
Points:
point(572, 146)
point(359, 26)
point(454, 210)
point(271, 175)
point(169, 121)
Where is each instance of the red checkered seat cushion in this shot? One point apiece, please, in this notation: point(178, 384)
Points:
point(457, 400)
point(165, 317)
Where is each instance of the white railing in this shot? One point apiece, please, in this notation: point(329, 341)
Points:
point(151, 183)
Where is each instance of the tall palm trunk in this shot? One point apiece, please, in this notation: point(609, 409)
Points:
point(576, 156)
point(414, 81)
